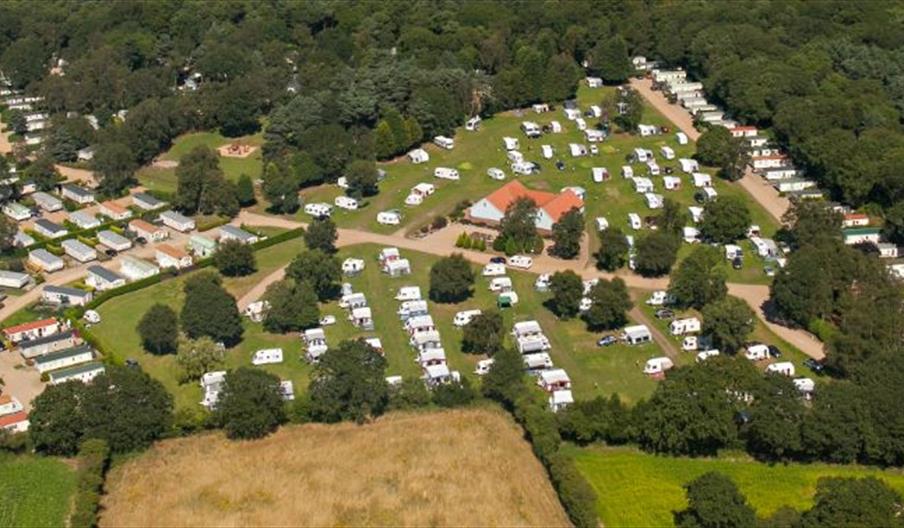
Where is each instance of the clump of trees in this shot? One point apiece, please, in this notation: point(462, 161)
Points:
point(250, 404)
point(567, 234)
point(613, 251)
point(210, 310)
point(484, 334)
point(349, 384)
point(234, 258)
point(518, 230)
point(451, 279)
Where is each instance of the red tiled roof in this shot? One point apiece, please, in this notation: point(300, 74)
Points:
point(554, 204)
point(744, 128)
point(174, 252)
point(28, 326)
point(14, 418)
point(856, 216)
point(5, 398)
point(143, 226)
point(115, 207)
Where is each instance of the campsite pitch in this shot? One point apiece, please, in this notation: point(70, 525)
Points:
point(468, 467)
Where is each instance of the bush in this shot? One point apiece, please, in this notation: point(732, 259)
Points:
point(577, 496)
point(454, 394)
point(439, 222)
point(94, 458)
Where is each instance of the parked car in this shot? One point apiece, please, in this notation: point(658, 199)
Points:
point(497, 260)
point(594, 150)
point(664, 313)
point(774, 351)
point(560, 165)
point(608, 340)
point(737, 263)
point(110, 253)
point(327, 320)
point(669, 170)
point(814, 365)
point(769, 271)
point(141, 240)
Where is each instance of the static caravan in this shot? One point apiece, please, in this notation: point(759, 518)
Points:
point(560, 399)
point(202, 246)
point(84, 372)
point(14, 279)
point(77, 194)
point(47, 202)
point(45, 260)
point(231, 232)
point(50, 229)
point(79, 251)
point(634, 221)
point(688, 325)
point(444, 142)
point(114, 211)
point(657, 365)
point(16, 211)
point(31, 348)
point(757, 352)
point(418, 156)
point(177, 221)
point(64, 295)
point(636, 335)
point(147, 202)
point(102, 279)
point(446, 173)
point(84, 220)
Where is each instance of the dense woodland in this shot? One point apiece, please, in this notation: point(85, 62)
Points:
point(338, 85)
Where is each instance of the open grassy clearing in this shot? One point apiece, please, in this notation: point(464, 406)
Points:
point(34, 491)
point(594, 371)
point(466, 467)
point(163, 179)
point(475, 152)
point(640, 489)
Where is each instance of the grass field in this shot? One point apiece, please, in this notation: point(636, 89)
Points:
point(466, 467)
point(475, 152)
point(164, 179)
point(34, 491)
point(594, 371)
point(639, 489)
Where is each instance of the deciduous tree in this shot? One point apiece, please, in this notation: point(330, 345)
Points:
point(349, 384)
point(250, 404)
point(159, 329)
point(451, 279)
point(567, 290)
point(567, 233)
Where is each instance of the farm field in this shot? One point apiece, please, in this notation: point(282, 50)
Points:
point(464, 467)
point(163, 179)
point(640, 489)
point(34, 491)
point(475, 152)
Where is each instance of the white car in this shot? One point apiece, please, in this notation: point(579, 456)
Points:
point(91, 317)
point(520, 261)
point(496, 174)
point(327, 320)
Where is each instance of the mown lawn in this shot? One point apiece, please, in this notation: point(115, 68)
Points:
point(164, 179)
point(34, 491)
point(640, 489)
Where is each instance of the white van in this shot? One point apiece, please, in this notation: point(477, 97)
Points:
point(634, 221)
point(547, 151)
point(501, 284)
point(444, 142)
point(657, 365)
point(496, 174)
point(389, 217)
point(346, 202)
point(520, 261)
point(601, 223)
point(494, 269)
point(464, 317)
point(445, 173)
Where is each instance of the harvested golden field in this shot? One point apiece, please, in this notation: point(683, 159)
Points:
point(465, 467)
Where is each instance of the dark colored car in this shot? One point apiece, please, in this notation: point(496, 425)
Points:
point(498, 260)
point(132, 363)
point(669, 170)
point(814, 365)
point(607, 341)
point(774, 351)
point(737, 263)
point(560, 165)
point(664, 313)
point(141, 240)
point(110, 253)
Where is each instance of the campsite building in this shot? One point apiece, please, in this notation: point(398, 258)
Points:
point(114, 240)
point(202, 246)
point(84, 372)
point(32, 330)
point(114, 210)
point(77, 194)
point(43, 345)
point(47, 202)
point(147, 202)
point(79, 250)
point(147, 230)
point(177, 221)
point(14, 279)
point(860, 235)
point(168, 256)
point(84, 219)
point(45, 260)
point(550, 206)
point(101, 279)
point(50, 229)
point(231, 232)
point(16, 211)
point(63, 358)
point(136, 269)
point(64, 295)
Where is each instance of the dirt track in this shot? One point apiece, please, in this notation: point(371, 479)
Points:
point(442, 243)
point(764, 194)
